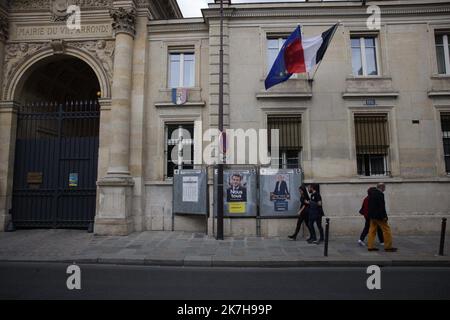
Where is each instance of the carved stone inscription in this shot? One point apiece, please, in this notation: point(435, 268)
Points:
point(60, 32)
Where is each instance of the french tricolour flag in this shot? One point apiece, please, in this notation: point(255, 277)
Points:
point(298, 55)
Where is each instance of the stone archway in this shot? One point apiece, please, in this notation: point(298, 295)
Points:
point(56, 145)
point(23, 58)
point(58, 78)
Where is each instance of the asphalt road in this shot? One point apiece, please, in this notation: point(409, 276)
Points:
point(48, 281)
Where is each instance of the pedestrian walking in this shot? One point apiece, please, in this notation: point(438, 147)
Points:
point(315, 214)
point(302, 212)
point(378, 218)
point(364, 211)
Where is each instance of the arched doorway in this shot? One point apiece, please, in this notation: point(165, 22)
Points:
point(56, 155)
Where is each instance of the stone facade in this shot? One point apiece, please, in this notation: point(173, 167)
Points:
point(127, 43)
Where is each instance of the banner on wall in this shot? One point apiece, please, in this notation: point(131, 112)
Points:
point(278, 192)
point(239, 193)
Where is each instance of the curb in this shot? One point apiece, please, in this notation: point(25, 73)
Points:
point(210, 262)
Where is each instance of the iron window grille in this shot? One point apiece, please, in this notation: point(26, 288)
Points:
point(290, 140)
point(181, 137)
point(445, 125)
point(372, 144)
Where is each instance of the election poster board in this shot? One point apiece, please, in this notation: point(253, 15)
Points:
point(239, 192)
point(278, 192)
point(190, 192)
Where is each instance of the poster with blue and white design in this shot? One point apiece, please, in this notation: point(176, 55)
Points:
point(278, 193)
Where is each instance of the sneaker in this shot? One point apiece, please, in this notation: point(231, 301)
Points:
point(311, 241)
point(373, 249)
point(361, 243)
point(391, 250)
point(292, 238)
point(318, 241)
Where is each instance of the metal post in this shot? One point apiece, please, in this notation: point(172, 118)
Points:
point(10, 227)
point(90, 227)
point(443, 227)
point(221, 161)
point(327, 231)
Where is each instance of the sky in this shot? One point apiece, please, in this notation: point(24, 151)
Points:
point(191, 8)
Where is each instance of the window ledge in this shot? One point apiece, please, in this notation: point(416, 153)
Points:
point(362, 78)
point(168, 182)
point(391, 94)
point(364, 180)
point(188, 88)
point(379, 177)
point(187, 104)
point(439, 93)
point(283, 95)
point(440, 76)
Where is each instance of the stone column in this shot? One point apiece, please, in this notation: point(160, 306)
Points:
point(8, 127)
point(115, 189)
point(8, 123)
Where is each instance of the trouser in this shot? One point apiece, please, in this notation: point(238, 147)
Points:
point(302, 218)
point(318, 221)
point(386, 233)
point(366, 231)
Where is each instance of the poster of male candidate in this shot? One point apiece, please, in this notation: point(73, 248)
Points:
point(239, 193)
point(278, 193)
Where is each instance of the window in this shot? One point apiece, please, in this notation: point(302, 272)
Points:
point(290, 139)
point(274, 46)
point(445, 125)
point(372, 144)
point(181, 70)
point(364, 56)
point(442, 53)
point(179, 147)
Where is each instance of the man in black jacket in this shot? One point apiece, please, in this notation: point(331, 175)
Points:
point(378, 217)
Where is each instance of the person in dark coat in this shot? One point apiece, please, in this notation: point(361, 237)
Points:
point(315, 214)
point(303, 212)
point(378, 218)
point(365, 212)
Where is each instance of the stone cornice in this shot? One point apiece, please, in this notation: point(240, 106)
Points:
point(44, 5)
point(158, 27)
point(159, 9)
point(322, 11)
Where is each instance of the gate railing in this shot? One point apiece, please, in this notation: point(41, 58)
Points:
point(56, 160)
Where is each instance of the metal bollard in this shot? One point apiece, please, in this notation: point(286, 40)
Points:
point(327, 231)
point(90, 227)
point(441, 245)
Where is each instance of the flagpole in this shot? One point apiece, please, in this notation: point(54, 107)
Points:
point(332, 36)
point(222, 140)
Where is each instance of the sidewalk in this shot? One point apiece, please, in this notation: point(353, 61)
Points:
point(193, 249)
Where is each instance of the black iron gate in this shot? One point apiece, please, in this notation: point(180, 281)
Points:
point(55, 169)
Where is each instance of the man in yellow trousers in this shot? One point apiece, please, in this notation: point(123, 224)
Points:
point(378, 218)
